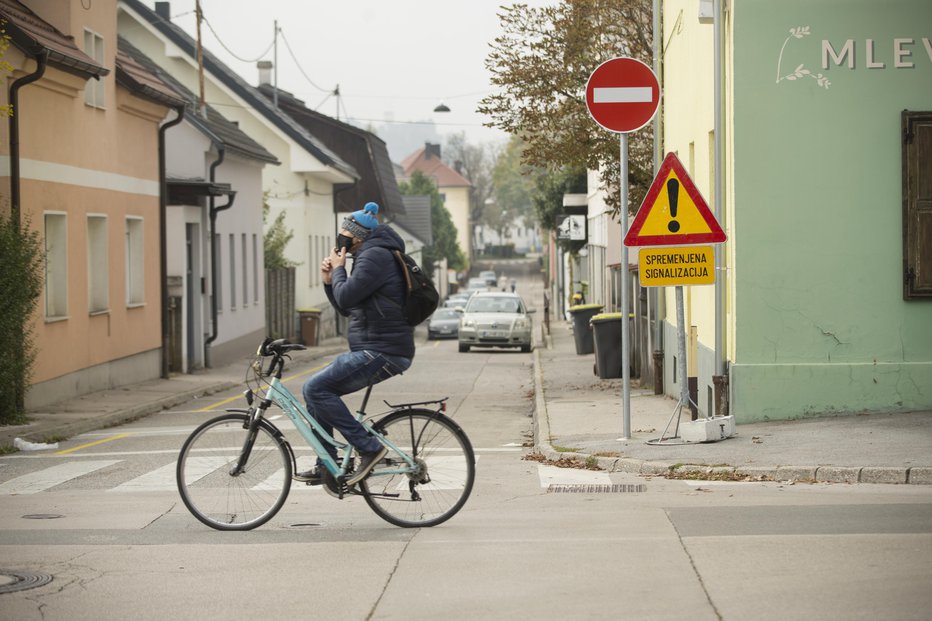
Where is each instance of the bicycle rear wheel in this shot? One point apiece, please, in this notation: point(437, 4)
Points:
point(211, 488)
point(444, 478)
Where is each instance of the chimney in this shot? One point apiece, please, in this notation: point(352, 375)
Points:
point(431, 149)
point(458, 166)
point(164, 10)
point(265, 72)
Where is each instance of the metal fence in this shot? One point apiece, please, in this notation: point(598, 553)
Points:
point(280, 317)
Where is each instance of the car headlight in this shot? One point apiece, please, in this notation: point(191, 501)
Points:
point(522, 324)
point(469, 323)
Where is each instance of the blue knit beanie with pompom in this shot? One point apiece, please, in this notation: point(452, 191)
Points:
point(361, 223)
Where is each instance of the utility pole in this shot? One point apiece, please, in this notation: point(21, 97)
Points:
point(201, 103)
point(275, 66)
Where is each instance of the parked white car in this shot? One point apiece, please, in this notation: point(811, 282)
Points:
point(495, 319)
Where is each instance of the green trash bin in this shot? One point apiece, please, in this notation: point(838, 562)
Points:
point(582, 330)
point(606, 337)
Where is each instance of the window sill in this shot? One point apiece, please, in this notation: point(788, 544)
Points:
point(57, 319)
point(106, 311)
point(135, 305)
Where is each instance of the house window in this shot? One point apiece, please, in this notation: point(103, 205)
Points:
point(917, 205)
point(98, 270)
point(218, 269)
point(312, 253)
point(245, 271)
point(135, 273)
point(232, 271)
point(94, 88)
point(255, 269)
point(56, 266)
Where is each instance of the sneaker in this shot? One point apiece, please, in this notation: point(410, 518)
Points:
point(311, 477)
point(366, 464)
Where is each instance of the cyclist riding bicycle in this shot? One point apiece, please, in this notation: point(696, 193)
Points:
point(380, 340)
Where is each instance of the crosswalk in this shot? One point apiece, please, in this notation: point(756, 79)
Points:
point(73, 472)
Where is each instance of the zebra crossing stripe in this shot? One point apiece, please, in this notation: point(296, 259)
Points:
point(163, 479)
point(50, 477)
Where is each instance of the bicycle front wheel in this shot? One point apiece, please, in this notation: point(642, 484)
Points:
point(220, 494)
point(440, 484)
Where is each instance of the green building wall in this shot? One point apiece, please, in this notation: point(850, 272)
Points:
point(821, 323)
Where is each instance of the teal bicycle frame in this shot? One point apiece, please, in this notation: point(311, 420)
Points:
point(307, 426)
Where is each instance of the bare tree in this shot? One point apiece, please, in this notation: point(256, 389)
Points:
point(541, 64)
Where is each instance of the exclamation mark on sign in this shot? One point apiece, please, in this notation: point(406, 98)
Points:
point(673, 194)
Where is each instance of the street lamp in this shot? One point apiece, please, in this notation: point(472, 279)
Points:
point(442, 108)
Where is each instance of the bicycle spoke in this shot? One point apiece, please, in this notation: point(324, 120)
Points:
point(442, 481)
point(223, 500)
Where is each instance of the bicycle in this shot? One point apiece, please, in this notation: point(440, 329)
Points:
point(235, 471)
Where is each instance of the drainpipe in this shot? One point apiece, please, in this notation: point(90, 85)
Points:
point(720, 378)
point(163, 241)
point(657, 296)
point(41, 62)
point(221, 153)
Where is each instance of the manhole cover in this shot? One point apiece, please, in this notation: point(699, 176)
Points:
point(583, 488)
point(11, 581)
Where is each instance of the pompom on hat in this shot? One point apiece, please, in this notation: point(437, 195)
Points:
point(361, 223)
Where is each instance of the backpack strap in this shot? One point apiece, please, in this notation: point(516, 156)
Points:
point(404, 269)
point(407, 278)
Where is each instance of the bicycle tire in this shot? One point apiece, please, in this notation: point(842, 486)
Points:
point(438, 492)
point(217, 497)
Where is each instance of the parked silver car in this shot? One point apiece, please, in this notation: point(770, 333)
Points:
point(496, 319)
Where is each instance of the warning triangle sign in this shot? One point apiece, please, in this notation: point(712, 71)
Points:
point(673, 212)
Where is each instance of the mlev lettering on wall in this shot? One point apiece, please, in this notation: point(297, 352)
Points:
point(902, 52)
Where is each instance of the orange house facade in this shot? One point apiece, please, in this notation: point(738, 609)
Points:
point(89, 184)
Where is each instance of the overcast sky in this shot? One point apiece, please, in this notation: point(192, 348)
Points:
point(394, 60)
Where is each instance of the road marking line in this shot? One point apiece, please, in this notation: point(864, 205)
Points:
point(90, 444)
point(50, 477)
point(214, 406)
point(552, 475)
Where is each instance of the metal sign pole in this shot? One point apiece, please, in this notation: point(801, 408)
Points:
point(625, 294)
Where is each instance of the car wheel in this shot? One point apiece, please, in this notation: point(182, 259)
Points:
point(526, 348)
point(464, 348)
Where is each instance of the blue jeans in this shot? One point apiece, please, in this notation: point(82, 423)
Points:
point(348, 373)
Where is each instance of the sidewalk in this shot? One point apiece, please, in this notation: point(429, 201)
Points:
point(119, 405)
point(579, 415)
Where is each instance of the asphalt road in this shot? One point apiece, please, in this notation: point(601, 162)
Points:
point(104, 521)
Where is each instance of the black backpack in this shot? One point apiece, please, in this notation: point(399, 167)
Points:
point(422, 297)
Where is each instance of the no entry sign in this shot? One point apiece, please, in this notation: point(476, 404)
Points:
point(622, 94)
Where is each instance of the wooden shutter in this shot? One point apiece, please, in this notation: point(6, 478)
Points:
point(917, 205)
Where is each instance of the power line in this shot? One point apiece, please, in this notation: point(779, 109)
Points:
point(300, 68)
point(231, 52)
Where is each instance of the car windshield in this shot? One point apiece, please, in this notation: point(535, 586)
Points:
point(494, 305)
point(446, 313)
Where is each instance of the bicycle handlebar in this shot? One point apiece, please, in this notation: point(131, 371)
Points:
point(278, 347)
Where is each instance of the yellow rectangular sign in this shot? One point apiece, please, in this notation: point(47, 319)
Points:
point(687, 265)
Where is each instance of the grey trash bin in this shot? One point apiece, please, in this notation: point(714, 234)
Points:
point(582, 330)
point(606, 338)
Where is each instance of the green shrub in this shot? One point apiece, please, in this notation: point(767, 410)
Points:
point(21, 282)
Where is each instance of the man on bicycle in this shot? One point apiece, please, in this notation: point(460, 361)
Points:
point(380, 340)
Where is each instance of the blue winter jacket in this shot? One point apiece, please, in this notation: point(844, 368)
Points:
point(373, 296)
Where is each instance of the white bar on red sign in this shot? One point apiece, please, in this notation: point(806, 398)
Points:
point(627, 94)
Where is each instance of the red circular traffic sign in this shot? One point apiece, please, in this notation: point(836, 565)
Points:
point(622, 94)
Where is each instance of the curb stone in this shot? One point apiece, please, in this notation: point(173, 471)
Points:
point(790, 474)
point(920, 476)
